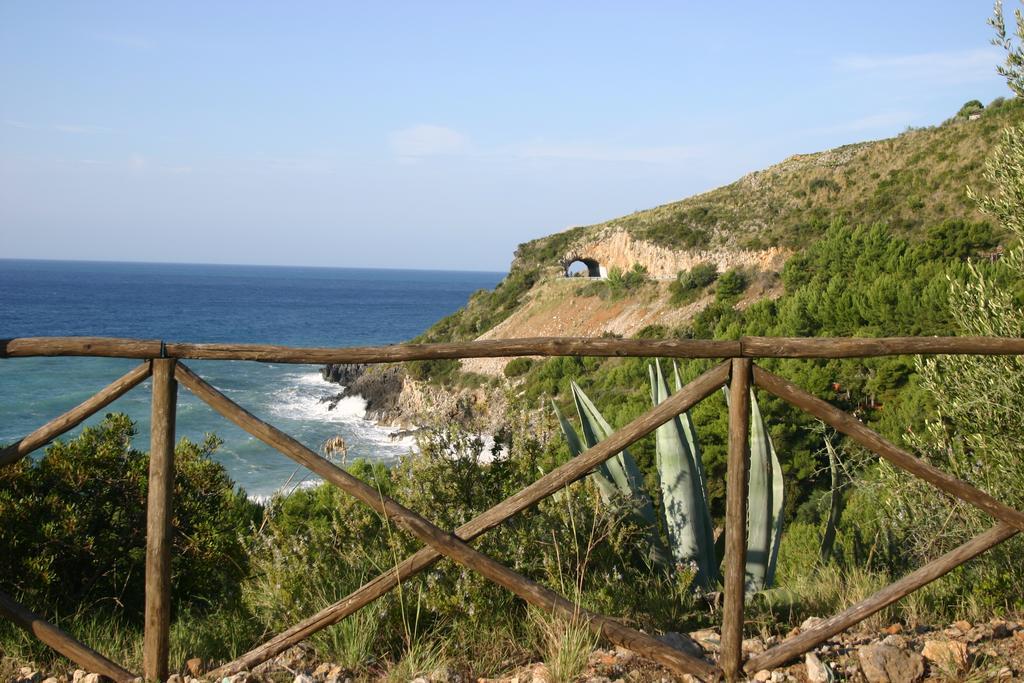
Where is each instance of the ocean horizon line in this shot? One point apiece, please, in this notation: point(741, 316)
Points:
point(247, 265)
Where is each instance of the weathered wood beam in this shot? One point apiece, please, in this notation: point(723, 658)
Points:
point(684, 399)
point(803, 642)
point(750, 347)
point(737, 481)
point(73, 649)
point(444, 542)
point(849, 347)
point(156, 638)
point(873, 441)
point(74, 417)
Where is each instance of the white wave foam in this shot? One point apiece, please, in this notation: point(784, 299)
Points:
point(300, 398)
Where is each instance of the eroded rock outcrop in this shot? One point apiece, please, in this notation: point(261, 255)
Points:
point(617, 248)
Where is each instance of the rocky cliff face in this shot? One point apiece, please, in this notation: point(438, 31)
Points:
point(617, 248)
point(393, 399)
point(379, 385)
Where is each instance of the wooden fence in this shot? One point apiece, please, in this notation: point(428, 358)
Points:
point(162, 362)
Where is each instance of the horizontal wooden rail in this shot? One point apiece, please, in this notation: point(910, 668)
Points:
point(445, 542)
point(74, 417)
point(750, 347)
point(801, 643)
point(77, 652)
point(567, 473)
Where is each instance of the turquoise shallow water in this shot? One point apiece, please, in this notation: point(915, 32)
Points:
point(216, 303)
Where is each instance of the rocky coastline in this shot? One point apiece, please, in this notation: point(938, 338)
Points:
point(379, 385)
point(396, 400)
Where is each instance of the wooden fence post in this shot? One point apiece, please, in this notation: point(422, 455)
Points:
point(156, 641)
point(737, 480)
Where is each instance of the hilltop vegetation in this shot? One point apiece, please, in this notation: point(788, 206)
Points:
point(911, 185)
point(906, 183)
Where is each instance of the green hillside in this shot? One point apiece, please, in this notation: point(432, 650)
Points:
point(915, 179)
point(911, 184)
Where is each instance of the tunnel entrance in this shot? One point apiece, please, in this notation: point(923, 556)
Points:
point(583, 267)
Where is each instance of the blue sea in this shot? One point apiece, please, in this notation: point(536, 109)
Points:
point(218, 303)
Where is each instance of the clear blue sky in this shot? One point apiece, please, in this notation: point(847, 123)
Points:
point(433, 134)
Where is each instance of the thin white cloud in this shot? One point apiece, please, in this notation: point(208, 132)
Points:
point(664, 154)
point(953, 67)
point(18, 124)
point(78, 128)
point(426, 140)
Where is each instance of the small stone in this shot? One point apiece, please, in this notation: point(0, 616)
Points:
point(1004, 674)
point(887, 664)
point(77, 676)
point(175, 678)
point(28, 675)
point(948, 654)
point(195, 666)
point(752, 646)
point(810, 622)
point(1000, 629)
point(51, 679)
point(541, 674)
point(321, 672)
point(421, 679)
point(817, 672)
point(683, 643)
point(708, 639)
point(763, 675)
point(777, 677)
point(962, 626)
point(897, 641)
point(91, 678)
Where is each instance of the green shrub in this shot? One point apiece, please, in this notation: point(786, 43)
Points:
point(731, 283)
point(518, 367)
point(73, 525)
point(689, 282)
point(970, 107)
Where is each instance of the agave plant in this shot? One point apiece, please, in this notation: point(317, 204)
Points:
point(684, 513)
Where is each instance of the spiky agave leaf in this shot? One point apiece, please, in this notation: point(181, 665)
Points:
point(624, 472)
point(835, 509)
point(622, 466)
point(765, 499)
point(684, 500)
point(691, 440)
point(600, 476)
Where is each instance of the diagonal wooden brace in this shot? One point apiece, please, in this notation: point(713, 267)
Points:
point(873, 441)
point(444, 542)
point(799, 644)
point(694, 392)
point(77, 652)
point(74, 417)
